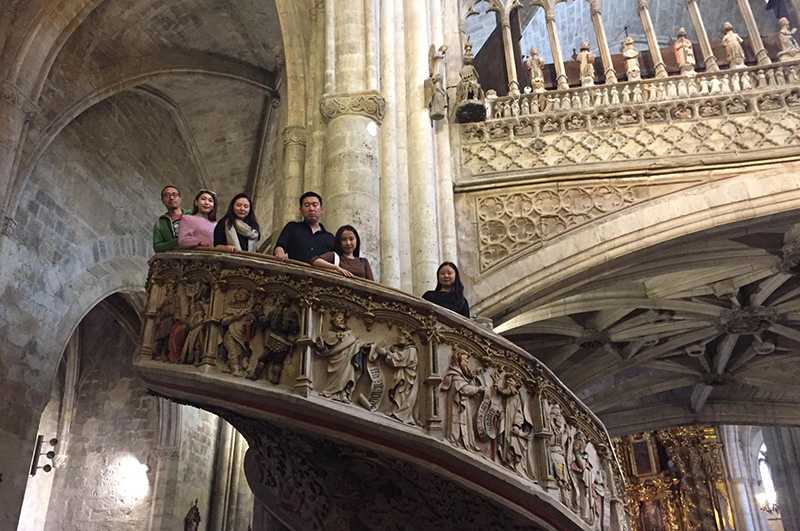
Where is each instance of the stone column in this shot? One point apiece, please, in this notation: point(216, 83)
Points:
point(555, 48)
point(353, 113)
point(315, 141)
point(602, 41)
point(752, 31)
point(652, 41)
point(73, 359)
point(783, 454)
point(390, 208)
point(164, 510)
point(16, 114)
point(403, 204)
point(742, 477)
point(441, 133)
point(702, 36)
point(508, 48)
point(421, 168)
point(294, 159)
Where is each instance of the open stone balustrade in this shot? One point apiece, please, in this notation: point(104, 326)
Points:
point(746, 113)
point(365, 406)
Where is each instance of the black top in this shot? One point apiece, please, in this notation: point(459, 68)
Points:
point(221, 237)
point(300, 244)
point(449, 300)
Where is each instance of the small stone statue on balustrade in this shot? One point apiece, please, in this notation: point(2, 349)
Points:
point(586, 59)
point(435, 93)
point(789, 47)
point(516, 428)
point(469, 94)
point(733, 46)
point(583, 477)
point(403, 360)
point(535, 66)
point(283, 322)
point(198, 325)
point(461, 383)
point(339, 346)
point(631, 55)
point(558, 442)
point(238, 317)
point(684, 54)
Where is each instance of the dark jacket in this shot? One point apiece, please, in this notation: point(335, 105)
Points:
point(163, 237)
point(449, 300)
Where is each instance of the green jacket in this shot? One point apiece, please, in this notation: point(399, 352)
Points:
point(163, 238)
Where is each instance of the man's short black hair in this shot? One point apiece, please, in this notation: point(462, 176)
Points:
point(310, 194)
point(169, 186)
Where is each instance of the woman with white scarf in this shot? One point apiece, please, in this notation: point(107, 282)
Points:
point(238, 230)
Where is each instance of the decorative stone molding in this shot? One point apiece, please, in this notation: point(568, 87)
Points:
point(294, 135)
point(594, 7)
point(8, 227)
point(13, 96)
point(370, 104)
point(641, 4)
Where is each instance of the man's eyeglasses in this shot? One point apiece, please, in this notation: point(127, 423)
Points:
point(170, 194)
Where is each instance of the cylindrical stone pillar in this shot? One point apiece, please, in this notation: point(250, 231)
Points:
point(330, 47)
point(370, 45)
point(752, 31)
point(294, 158)
point(421, 167)
point(702, 36)
point(315, 142)
point(508, 48)
point(783, 453)
point(403, 204)
point(652, 41)
point(555, 48)
point(602, 41)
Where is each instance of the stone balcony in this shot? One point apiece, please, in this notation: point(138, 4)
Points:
point(641, 126)
point(366, 407)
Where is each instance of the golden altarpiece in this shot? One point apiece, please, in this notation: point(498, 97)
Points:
point(675, 480)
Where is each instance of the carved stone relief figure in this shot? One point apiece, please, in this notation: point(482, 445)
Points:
point(238, 317)
point(586, 59)
point(684, 53)
point(435, 94)
point(535, 66)
point(583, 476)
point(516, 426)
point(631, 55)
point(559, 440)
point(600, 492)
point(192, 520)
point(469, 94)
point(789, 47)
point(461, 383)
point(403, 360)
point(165, 318)
point(339, 346)
point(733, 46)
point(282, 322)
point(197, 324)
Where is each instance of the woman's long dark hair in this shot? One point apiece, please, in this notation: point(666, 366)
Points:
point(212, 215)
point(337, 240)
point(458, 287)
point(250, 218)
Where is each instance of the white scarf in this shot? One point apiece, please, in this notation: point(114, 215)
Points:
point(245, 230)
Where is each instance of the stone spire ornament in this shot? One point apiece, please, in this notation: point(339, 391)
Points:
point(469, 94)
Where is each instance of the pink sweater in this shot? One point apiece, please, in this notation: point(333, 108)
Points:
point(194, 231)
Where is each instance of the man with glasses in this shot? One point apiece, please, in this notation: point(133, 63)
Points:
point(165, 231)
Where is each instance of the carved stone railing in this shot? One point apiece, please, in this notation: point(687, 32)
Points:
point(291, 354)
point(676, 121)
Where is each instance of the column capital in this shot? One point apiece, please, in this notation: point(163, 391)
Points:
point(641, 4)
point(11, 94)
point(294, 135)
point(594, 7)
point(369, 103)
point(550, 15)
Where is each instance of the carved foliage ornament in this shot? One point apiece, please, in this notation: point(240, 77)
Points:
point(294, 135)
point(11, 95)
point(370, 104)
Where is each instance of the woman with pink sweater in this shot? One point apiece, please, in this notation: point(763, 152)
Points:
point(197, 229)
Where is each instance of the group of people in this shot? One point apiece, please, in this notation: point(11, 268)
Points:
point(305, 241)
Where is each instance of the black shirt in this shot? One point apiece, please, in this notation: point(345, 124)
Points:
point(300, 244)
point(449, 300)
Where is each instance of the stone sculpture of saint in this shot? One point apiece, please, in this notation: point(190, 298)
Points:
point(403, 360)
point(198, 326)
point(435, 94)
point(516, 427)
point(684, 53)
point(339, 346)
point(166, 317)
point(461, 384)
point(535, 66)
point(583, 474)
point(586, 59)
point(559, 437)
point(733, 46)
point(789, 47)
point(283, 322)
point(469, 94)
point(237, 317)
point(631, 55)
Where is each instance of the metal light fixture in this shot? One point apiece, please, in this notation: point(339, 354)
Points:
point(38, 453)
point(766, 505)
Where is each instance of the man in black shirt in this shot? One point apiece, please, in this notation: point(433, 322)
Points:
point(303, 240)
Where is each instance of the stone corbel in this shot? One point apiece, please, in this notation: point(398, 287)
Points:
point(13, 96)
point(369, 103)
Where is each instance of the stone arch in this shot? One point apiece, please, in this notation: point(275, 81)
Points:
point(730, 196)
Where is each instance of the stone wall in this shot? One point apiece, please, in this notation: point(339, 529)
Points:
point(196, 468)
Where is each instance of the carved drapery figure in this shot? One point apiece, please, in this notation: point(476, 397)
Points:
point(165, 318)
point(535, 67)
point(789, 47)
point(237, 317)
point(461, 383)
point(198, 326)
point(435, 94)
point(586, 59)
point(583, 478)
point(403, 360)
point(469, 94)
point(733, 46)
point(339, 346)
point(684, 53)
point(516, 427)
point(559, 439)
point(282, 322)
point(631, 55)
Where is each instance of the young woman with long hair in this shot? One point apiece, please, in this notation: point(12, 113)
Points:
point(197, 228)
point(449, 291)
point(238, 229)
point(345, 258)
